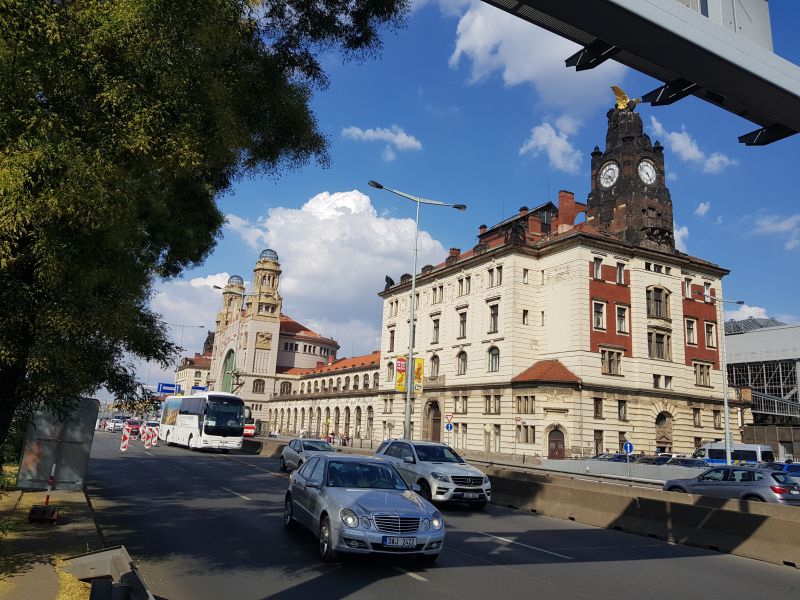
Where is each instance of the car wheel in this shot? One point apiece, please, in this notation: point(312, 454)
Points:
point(753, 499)
point(428, 559)
point(288, 514)
point(326, 553)
point(283, 465)
point(425, 490)
point(477, 505)
point(676, 489)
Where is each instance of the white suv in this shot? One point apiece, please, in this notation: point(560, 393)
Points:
point(441, 474)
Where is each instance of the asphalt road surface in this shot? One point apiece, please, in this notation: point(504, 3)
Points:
point(208, 526)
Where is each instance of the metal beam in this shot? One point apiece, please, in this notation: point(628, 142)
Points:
point(766, 135)
point(592, 55)
point(671, 92)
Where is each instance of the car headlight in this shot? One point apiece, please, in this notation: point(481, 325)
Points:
point(348, 517)
point(485, 480)
point(436, 521)
point(426, 524)
point(365, 522)
point(440, 477)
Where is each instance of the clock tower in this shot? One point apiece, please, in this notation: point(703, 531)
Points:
point(629, 196)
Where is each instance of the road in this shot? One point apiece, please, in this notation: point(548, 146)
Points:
point(208, 526)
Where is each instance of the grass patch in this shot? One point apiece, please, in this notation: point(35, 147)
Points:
point(69, 586)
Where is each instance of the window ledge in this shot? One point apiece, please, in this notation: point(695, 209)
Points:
point(614, 374)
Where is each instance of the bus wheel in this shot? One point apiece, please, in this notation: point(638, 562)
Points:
point(167, 439)
point(191, 444)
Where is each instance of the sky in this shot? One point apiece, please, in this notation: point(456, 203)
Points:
point(467, 104)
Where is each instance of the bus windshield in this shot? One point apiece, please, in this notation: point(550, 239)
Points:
point(224, 416)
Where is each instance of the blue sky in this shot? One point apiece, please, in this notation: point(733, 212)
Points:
point(469, 105)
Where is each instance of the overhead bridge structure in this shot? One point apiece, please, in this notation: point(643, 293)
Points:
point(717, 50)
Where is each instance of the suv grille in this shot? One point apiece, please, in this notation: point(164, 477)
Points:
point(396, 523)
point(467, 480)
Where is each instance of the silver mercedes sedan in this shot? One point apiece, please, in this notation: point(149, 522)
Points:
point(361, 505)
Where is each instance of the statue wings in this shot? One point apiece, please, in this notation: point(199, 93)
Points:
point(623, 101)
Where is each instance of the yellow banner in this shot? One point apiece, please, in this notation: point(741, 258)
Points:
point(400, 375)
point(419, 372)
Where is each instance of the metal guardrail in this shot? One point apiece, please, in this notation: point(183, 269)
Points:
point(762, 403)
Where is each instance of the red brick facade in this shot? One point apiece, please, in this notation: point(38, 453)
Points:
point(613, 294)
point(702, 312)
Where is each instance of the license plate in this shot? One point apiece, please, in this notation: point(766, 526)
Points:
point(471, 495)
point(794, 492)
point(399, 542)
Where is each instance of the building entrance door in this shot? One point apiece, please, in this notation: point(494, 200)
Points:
point(555, 444)
point(434, 421)
point(664, 432)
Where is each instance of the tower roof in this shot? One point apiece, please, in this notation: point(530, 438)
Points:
point(268, 254)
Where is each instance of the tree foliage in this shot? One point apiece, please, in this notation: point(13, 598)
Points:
point(121, 122)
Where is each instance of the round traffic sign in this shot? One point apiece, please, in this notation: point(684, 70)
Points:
point(448, 427)
point(627, 448)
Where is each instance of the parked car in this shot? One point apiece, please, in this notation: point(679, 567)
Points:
point(441, 474)
point(653, 460)
point(361, 505)
point(134, 426)
point(688, 462)
point(114, 424)
point(615, 457)
point(296, 452)
point(791, 469)
point(740, 453)
point(744, 483)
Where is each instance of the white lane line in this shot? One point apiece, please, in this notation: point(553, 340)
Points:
point(497, 537)
point(410, 574)
point(181, 468)
point(237, 494)
point(252, 466)
point(148, 454)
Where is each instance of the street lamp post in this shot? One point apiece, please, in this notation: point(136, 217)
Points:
point(724, 367)
point(411, 325)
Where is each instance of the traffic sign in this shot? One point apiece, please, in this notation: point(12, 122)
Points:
point(168, 388)
point(449, 418)
point(627, 447)
point(199, 388)
point(448, 427)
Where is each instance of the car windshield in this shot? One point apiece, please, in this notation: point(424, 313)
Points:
point(364, 475)
point(429, 453)
point(315, 446)
point(782, 478)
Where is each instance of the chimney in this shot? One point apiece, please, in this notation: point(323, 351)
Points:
point(455, 251)
point(566, 208)
point(535, 225)
point(482, 229)
point(523, 210)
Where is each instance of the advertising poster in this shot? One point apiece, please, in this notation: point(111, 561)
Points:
point(419, 371)
point(400, 375)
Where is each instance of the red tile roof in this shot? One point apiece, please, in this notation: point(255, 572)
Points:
point(290, 326)
point(370, 361)
point(551, 371)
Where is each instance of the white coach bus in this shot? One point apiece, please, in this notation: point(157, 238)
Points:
point(212, 420)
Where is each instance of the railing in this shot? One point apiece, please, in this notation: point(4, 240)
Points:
point(762, 403)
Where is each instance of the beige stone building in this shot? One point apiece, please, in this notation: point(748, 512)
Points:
point(567, 330)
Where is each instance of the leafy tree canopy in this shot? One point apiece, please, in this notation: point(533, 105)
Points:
point(120, 124)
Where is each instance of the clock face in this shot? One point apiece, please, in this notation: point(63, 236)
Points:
point(609, 174)
point(647, 172)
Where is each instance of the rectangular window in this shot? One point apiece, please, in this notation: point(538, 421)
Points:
point(525, 404)
point(599, 318)
point(622, 319)
point(691, 336)
point(491, 277)
point(697, 418)
point(467, 284)
point(542, 319)
point(620, 273)
point(598, 268)
point(657, 303)
point(717, 419)
point(598, 408)
point(656, 381)
point(462, 324)
point(524, 316)
point(499, 275)
point(526, 434)
point(491, 405)
point(658, 268)
point(416, 300)
point(598, 442)
point(658, 345)
point(707, 291)
point(687, 287)
point(438, 294)
point(611, 361)
point(711, 335)
point(525, 276)
point(702, 374)
point(622, 410)
point(667, 382)
point(647, 266)
point(435, 339)
point(494, 313)
point(460, 405)
point(461, 287)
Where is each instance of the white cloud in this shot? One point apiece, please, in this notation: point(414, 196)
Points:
point(672, 176)
point(681, 233)
point(745, 311)
point(782, 226)
point(253, 236)
point(685, 146)
point(702, 209)
point(562, 155)
point(495, 42)
point(335, 252)
point(398, 140)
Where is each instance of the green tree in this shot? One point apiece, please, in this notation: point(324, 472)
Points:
point(121, 122)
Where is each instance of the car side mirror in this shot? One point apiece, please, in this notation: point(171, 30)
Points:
point(416, 488)
point(408, 459)
point(312, 484)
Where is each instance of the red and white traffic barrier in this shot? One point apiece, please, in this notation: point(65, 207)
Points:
point(154, 441)
point(50, 481)
point(123, 443)
point(147, 438)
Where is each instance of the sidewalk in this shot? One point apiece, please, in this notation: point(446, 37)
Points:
point(30, 552)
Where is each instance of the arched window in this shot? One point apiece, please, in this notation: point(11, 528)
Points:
point(494, 359)
point(356, 380)
point(347, 382)
point(434, 366)
point(330, 384)
point(302, 419)
point(657, 302)
point(316, 385)
point(390, 372)
point(338, 383)
point(461, 363)
point(375, 381)
point(303, 388)
point(286, 387)
point(294, 422)
point(258, 386)
point(366, 381)
point(197, 373)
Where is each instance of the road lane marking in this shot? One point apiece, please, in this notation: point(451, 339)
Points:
point(237, 494)
point(410, 574)
point(252, 466)
point(181, 468)
point(497, 537)
point(148, 454)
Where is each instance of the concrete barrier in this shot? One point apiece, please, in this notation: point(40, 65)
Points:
point(757, 530)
